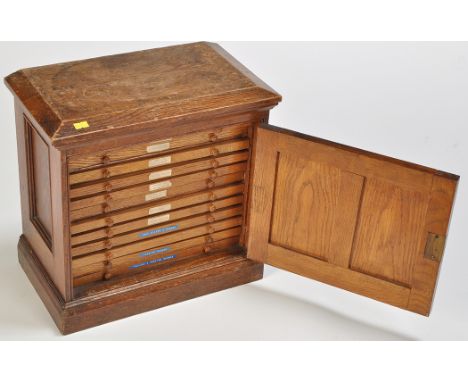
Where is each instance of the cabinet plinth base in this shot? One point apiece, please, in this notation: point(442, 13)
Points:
point(149, 294)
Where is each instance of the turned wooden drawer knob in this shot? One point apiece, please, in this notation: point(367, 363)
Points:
point(212, 207)
point(212, 196)
point(211, 218)
point(214, 163)
point(109, 232)
point(207, 249)
point(213, 174)
point(210, 183)
point(208, 239)
point(211, 230)
point(105, 159)
point(107, 244)
point(109, 256)
point(109, 222)
point(214, 151)
point(105, 173)
point(213, 137)
point(108, 187)
point(106, 208)
point(108, 267)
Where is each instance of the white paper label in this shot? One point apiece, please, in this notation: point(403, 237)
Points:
point(159, 161)
point(158, 219)
point(156, 195)
point(159, 146)
point(160, 185)
point(160, 174)
point(158, 209)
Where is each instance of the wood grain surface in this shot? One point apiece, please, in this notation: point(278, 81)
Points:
point(168, 216)
point(154, 208)
point(161, 173)
point(110, 241)
point(347, 217)
point(217, 134)
point(134, 263)
point(137, 88)
point(121, 298)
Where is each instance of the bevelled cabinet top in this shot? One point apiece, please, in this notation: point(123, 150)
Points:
point(176, 83)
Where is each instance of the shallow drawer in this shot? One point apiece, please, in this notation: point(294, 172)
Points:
point(162, 256)
point(157, 230)
point(213, 150)
point(168, 184)
point(169, 238)
point(165, 172)
point(211, 135)
point(155, 208)
point(171, 216)
point(114, 205)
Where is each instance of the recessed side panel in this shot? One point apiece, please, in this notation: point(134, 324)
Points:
point(39, 183)
point(350, 218)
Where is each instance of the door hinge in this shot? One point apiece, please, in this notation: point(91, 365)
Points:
point(435, 245)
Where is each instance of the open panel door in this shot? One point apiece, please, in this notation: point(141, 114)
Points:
point(363, 222)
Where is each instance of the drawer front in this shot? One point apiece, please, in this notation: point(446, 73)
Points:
point(111, 205)
point(167, 217)
point(117, 183)
point(161, 256)
point(157, 203)
point(110, 241)
point(148, 190)
point(144, 245)
point(148, 210)
point(76, 163)
point(158, 161)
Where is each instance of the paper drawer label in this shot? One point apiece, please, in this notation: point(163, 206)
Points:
point(158, 231)
point(153, 261)
point(158, 219)
point(159, 161)
point(160, 174)
point(156, 195)
point(157, 209)
point(159, 146)
point(160, 185)
point(155, 251)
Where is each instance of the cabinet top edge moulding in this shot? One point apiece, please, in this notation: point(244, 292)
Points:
point(137, 92)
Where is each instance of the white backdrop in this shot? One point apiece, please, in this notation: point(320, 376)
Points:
point(406, 100)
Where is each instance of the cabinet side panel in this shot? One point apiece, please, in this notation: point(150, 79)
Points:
point(35, 239)
point(42, 224)
point(38, 167)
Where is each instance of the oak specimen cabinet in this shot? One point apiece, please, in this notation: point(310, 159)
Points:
point(153, 177)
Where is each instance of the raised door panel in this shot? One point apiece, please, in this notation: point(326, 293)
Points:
point(360, 221)
point(322, 204)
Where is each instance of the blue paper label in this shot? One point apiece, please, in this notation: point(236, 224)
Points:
point(154, 251)
point(159, 230)
point(153, 261)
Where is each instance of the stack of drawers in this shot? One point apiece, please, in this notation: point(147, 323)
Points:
point(157, 203)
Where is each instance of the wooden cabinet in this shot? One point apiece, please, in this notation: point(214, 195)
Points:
point(153, 177)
